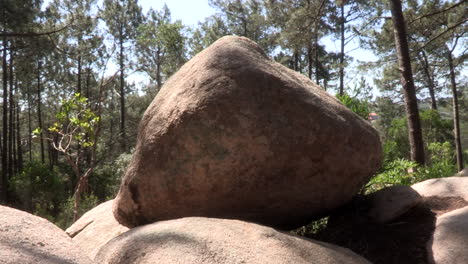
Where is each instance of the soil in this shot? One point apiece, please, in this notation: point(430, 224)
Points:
point(401, 241)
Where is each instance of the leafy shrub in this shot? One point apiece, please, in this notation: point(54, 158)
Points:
point(360, 107)
point(396, 172)
point(404, 172)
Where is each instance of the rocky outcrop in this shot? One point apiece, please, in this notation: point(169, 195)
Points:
point(95, 228)
point(205, 240)
point(235, 135)
point(28, 239)
point(450, 239)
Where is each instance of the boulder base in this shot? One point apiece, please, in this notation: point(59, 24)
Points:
point(235, 135)
point(204, 240)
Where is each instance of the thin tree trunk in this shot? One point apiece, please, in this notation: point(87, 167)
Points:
point(158, 69)
point(78, 86)
point(296, 60)
point(29, 124)
point(430, 81)
point(19, 149)
point(317, 79)
point(310, 61)
point(342, 31)
point(411, 103)
point(456, 115)
point(122, 99)
point(4, 179)
point(39, 113)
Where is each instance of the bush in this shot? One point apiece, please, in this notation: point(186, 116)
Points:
point(404, 172)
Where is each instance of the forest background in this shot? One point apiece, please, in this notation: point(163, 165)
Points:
point(72, 95)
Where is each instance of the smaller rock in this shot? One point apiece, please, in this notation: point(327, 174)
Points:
point(392, 202)
point(95, 228)
point(208, 240)
point(448, 244)
point(462, 173)
point(444, 187)
point(28, 239)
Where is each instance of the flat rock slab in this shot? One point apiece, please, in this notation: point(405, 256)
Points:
point(444, 187)
point(450, 240)
point(95, 228)
point(236, 135)
point(205, 240)
point(28, 239)
point(392, 202)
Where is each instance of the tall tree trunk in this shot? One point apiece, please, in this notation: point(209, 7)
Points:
point(342, 40)
point(430, 81)
point(456, 116)
point(316, 50)
point(4, 179)
point(123, 136)
point(11, 123)
point(39, 113)
point(411, 102)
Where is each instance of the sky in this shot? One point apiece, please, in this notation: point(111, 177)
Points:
point(193, 11)
point(189, 11)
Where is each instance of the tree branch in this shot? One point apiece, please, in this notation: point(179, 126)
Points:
point(441, 34)
point(31, 34)
point(437, 12)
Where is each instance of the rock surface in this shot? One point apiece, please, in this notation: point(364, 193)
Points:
point(235, 135)
point(444, 187)
point(205, 240)
point(392, 202)
point(450, 239)
point(95, 228)
point(28, 239)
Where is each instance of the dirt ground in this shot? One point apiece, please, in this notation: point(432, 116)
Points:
point(401, 241)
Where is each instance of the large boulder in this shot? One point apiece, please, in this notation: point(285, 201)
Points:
point(205, 240)
point(95, 228)
point(236, 135)
point(448, 244)
point(28, 239)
